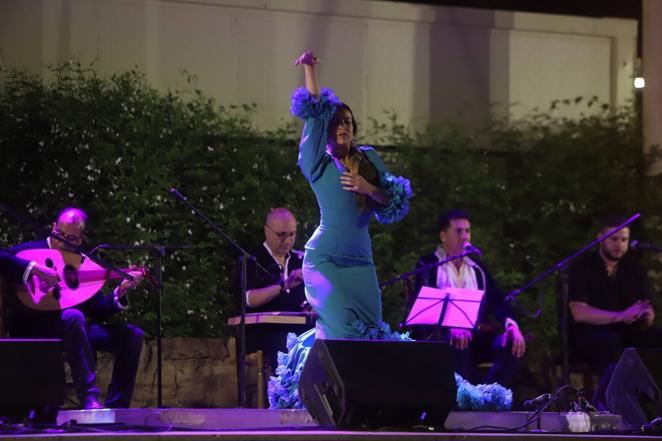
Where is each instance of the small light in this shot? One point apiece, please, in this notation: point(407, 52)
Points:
point(639, 83)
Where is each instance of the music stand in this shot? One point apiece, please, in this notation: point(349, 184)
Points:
point(447, 307)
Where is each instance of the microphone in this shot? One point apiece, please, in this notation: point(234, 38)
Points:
point(537, 402)
point(636, 245)
point(471, 249)
point(177, 194)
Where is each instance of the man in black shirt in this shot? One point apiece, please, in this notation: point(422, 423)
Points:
point(281, 289)
point(609, 300)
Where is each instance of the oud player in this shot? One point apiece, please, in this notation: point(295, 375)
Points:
point(84, 328)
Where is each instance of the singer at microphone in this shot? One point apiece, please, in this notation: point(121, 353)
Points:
point(497, 336)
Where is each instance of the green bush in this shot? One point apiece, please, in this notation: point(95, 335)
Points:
point(115, 146)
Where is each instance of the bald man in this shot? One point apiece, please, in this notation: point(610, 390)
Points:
point(281, 289)
point(83, 329)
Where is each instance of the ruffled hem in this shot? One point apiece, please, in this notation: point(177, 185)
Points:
point(482, 397)
point(398, 189)
point(305, 105)
point(283, 389)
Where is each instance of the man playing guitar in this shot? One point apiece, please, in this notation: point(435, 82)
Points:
point(81, 326)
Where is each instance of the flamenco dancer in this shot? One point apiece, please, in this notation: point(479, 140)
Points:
point(351, 184)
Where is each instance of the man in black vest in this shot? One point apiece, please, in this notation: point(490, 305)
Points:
point(280, 289)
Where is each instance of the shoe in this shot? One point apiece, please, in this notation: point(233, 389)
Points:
point(91, 402)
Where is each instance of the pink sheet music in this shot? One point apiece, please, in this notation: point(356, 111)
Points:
point(462, 307)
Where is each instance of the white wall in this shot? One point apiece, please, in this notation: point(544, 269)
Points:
point(425, 62)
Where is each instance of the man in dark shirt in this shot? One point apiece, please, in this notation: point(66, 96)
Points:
point(82, 337)
point(497, 338)
point(281, 289)
point(609, 300)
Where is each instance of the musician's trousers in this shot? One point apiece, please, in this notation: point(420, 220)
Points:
point(486, 347)
point(81, 340)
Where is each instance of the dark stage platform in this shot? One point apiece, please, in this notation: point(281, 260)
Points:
point(258, 424)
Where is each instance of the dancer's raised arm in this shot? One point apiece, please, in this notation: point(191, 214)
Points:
point(309, 60)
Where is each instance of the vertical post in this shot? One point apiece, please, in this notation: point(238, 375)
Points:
point(563, 324)
point(159, 332)
point(652, 93)
point(241, 359)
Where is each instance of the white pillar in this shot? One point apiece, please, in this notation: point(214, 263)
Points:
point(652, 64)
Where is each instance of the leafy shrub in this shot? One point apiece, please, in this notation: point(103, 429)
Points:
point(115, 146)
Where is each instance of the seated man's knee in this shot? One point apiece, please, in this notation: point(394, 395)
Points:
point(72, 317)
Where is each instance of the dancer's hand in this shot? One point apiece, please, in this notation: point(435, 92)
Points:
point(460, 338)
point(307, 59)
point(355, 182)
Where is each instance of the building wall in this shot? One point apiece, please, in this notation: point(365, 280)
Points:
point(427, 63)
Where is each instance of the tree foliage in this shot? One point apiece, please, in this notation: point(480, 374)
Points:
point(115, 146)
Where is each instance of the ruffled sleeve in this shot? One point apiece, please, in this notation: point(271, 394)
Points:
point(316, 113)
point(397, 188)
point(304, 105)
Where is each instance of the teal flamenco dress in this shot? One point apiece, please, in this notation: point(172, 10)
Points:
point(339, 273)
point(338, 270)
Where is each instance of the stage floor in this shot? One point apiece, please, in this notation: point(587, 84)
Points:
point(263, 424)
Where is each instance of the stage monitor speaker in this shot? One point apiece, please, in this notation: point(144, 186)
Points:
point(31, 378)
point(371, 383)
point(634, 389)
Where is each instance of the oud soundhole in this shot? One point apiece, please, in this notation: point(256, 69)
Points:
point(71, 277)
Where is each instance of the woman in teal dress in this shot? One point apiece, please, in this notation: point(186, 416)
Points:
point(351, 185)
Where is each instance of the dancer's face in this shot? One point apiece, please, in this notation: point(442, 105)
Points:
point(341, 130)
point(455, 236)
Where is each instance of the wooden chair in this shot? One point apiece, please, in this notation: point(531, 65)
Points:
point(257, 384)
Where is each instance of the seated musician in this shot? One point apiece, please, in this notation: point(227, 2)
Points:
point(503, 344)
point(281, 289)
point(610, 296)
point(83, 328)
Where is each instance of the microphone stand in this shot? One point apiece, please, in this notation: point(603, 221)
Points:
point(405, 277)
point(244, 257)
point(428, 267)
point(160, 251)
point(560, 266)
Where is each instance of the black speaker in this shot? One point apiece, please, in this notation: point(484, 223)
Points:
point(31, 378)
point(368, 384)
point(634, 388)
